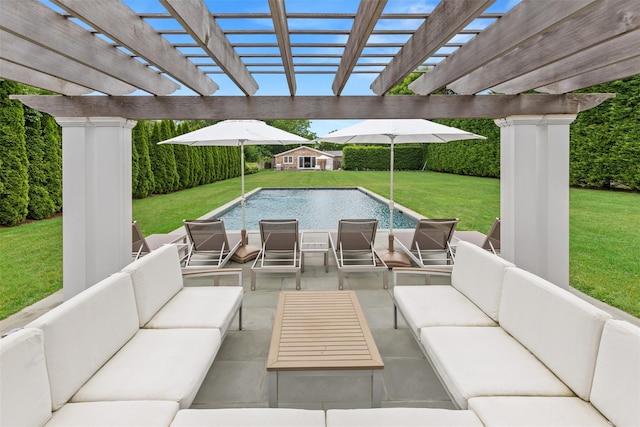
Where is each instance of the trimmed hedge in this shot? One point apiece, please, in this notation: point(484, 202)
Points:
point(376, 157)
point(14, 177)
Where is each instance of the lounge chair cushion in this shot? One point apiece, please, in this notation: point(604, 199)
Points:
point(405, 417)
point(479, 274)
point(616, 382)
point(437, 305)
point(200, 307)
point(130, 414)
point(84, 332)
point(559, 328)
point(24, 386)
point(156, 277)
point(536, 411)
point(485, 361)
point(246, 417)
point(157, 364)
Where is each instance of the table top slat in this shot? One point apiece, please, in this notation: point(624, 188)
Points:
point(321, 330)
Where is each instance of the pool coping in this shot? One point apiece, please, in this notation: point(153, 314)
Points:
point(400, 208)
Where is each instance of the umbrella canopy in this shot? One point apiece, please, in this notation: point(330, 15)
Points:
point(238, 133)
point(398, 131)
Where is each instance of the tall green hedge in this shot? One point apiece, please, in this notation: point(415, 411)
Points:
point(52, 153)
point(605, 140)
point(14, 177)
point(40, 204)
point(377, 157)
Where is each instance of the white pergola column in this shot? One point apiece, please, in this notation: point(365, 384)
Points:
point(96, 199)
point(534, 194)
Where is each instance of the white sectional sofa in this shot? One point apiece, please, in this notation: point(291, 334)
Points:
point(518, 350)
point(132, 350)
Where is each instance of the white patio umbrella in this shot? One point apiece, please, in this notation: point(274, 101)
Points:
point(398, 131)
point(238, 133)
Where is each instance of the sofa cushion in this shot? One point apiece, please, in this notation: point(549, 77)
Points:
point(405, 417)
point(616, 382)
point(478, 274)
point(157, 364)
point(246, 417)
point(200, 307)
point(484, 361)
point(24, 386)
point(156, 279)
point(559, 328)
point(113, 414)
point(81, 334)
point(536, 411)
point(437, 305)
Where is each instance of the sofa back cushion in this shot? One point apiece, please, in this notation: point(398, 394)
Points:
point(559, 328)
point(157, 277)
point(478, 274)
point(25, 398)
point(616, 382)
point(81, 334)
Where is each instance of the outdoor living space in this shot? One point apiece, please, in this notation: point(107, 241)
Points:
point(239, 378)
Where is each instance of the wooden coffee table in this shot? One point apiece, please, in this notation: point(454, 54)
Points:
point(322, 333)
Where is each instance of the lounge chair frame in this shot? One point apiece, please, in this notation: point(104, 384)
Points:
point(430, 244)
point(210, 246)
point(141, 245)
point(281, 250)
point(353, 249)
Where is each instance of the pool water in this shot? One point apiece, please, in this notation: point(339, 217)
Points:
point(315, 209)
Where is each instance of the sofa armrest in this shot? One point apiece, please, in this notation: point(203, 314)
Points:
point(427, 272)
point(216, 274)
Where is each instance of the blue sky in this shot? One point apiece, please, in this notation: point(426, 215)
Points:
point(307, 84)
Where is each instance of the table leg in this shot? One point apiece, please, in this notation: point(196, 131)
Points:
point(273, 389)
point(376, 388)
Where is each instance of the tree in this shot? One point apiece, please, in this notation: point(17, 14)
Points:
point(40, 205)
point(144, 182)
point(52, 148)
point(14, 178)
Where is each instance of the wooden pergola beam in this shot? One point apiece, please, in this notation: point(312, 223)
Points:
point(524, 21)
point(281, 27)
point(620, 70)
point(446, 20)
point(117, 21)
point(607, 53)
point(33, 56)
point(366, 18)
point(31, 77)
point(33, 21)
point(612, 17)
point(196, 19)
point(312, 107)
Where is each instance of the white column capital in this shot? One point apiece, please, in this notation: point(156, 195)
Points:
point(96, 122)
point(535, 120)
point(519, 120)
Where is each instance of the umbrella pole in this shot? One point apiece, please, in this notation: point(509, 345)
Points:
point(245, 252)
point(391, 207)
point(242, 202)
point(390, 256)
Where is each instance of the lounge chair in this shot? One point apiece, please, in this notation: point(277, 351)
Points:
point(280, 251)
point(490, 242)
point(210, 246)
point(141, 246)
point(430, 243)
point(353, 249)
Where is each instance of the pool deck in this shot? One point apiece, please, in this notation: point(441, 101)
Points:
point(238, 377)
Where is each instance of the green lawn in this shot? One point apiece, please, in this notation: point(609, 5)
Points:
point(605, 231)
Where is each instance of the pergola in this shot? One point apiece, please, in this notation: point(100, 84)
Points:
point(116, 63)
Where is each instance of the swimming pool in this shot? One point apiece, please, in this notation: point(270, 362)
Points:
point(314, 208)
